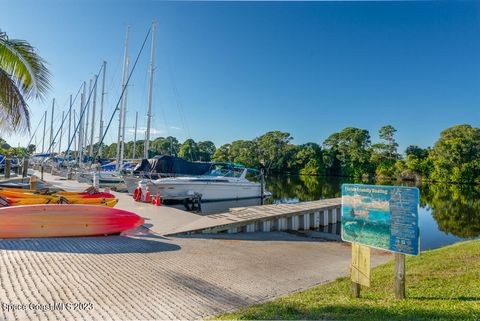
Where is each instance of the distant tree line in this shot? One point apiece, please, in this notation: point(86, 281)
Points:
point(455, 157)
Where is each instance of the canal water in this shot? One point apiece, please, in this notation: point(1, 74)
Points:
point(449, 213)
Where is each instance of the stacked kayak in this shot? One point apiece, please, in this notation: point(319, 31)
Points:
point(14, 197)
point(62, 220)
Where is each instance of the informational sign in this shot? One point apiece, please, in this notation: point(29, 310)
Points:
point(360, 268)
point(384, 217)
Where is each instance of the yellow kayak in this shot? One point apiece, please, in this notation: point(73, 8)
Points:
point(90, 201)
point(12, 194)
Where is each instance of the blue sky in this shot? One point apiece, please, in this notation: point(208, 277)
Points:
point(234, 70)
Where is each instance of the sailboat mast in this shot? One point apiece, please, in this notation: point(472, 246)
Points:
point(70, 120)
point(80, 132)
point(61, 134)
point(93, 115)
point(124, 120)
point(51, 125)
point(122, 103)
point(74, 141)
point(88, 115)
point(150, 91)
point(44, 128)
point(135, 137)
point(101, 109)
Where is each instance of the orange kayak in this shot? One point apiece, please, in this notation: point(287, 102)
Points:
point(110, 202)
point(59, 220)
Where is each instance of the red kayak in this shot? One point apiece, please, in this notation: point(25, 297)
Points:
point(63, 220)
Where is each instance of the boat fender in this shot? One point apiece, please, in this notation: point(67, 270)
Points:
point(159, 200)
point(147, 196)
point(137, 194)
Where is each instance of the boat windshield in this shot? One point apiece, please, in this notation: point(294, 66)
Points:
point(225, 171)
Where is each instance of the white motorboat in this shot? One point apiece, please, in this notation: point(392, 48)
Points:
point(111, 179)
point(225, 181)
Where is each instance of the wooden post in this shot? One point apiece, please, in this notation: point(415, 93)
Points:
point(262, 186)
point(25, 167)
point(399, 276)
point(41, 171)
point(355, 287)
point(33, 182)
point(7, 167)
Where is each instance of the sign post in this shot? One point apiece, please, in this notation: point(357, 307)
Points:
point(383, 217)
point(360, 268)
point(399, 276)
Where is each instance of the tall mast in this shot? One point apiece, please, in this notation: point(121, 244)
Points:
point(93, 115)
point(80, 120)
point(51, 126)
point(75, 141)
point(135, 137)
point(88, 114)
point(61, 134)
point(122, 104)
point(44, 128)
point(70, 120)
point(150, 91)
point(122, 143)
point(101, 108)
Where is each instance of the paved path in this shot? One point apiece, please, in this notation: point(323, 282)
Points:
point(153, 277)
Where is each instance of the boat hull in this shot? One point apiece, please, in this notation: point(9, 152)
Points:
point(208, 191)
point(37, 221)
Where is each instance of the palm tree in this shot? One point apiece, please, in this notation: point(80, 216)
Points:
point(23, 76)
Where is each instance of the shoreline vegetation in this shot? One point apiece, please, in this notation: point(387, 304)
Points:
point(350, 153)
point(442, 284)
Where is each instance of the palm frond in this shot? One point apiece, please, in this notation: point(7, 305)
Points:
point(14, 114)
point(25, 67)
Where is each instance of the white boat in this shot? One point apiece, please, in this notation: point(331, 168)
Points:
point(111, 179)
point(225, 181)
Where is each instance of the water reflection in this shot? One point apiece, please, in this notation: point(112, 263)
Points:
point(449, 213)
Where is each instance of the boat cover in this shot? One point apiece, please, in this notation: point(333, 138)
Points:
point(170, 165)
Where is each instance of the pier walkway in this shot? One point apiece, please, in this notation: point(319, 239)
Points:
point(267, 218)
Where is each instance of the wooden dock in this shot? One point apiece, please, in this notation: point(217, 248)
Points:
point(266, 218)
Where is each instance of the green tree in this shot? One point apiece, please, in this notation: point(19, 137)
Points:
point(110, 151)
point(308, 159)
point(166, 146)
point(189, 150)
point(351, 147)
point(416, 151)
point(384, 154)
point(206, 150)
point(456, 155)
point(23, 75)
point(222, 154)
point(273, 148)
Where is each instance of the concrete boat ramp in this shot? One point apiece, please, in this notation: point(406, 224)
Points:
point(152, 275)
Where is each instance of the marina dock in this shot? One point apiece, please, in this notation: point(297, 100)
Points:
point(267, 218)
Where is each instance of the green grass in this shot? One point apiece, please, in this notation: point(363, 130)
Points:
point(442, 284)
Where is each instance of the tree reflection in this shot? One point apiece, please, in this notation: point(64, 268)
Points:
point(456, 208)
